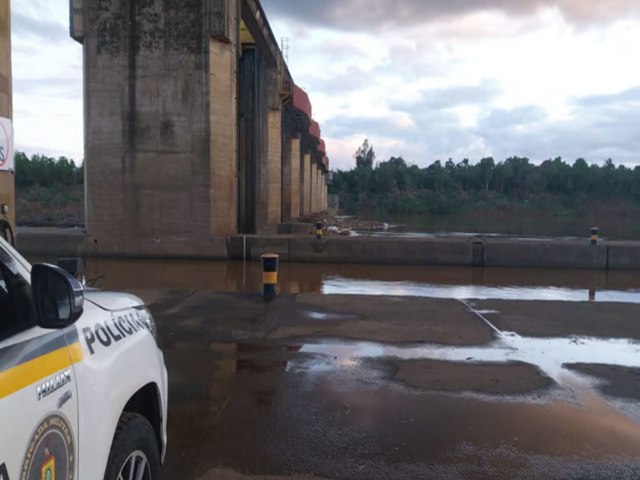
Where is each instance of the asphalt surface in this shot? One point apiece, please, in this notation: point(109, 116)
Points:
point(336, 387)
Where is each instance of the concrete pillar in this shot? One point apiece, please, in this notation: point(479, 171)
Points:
point(322, 176)
point(223, 97)
point(314, 186)
point(294, 154)
point(326, 193)
point(150, 172)
point(319, 190)
point(7, 187)
point(274, 212)
point(306, 185)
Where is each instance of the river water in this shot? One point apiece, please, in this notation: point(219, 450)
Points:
point(424, 281)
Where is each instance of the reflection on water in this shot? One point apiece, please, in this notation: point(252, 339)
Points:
point(349, 286)
point(442, 282)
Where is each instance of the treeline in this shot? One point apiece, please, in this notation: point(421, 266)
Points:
point(396, 187)
point(43, 171)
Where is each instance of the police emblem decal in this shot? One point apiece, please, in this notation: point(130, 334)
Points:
point(50, 453)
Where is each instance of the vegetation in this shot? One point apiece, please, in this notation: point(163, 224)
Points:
point(49, 191)
point(394, 187)
point(43, 171)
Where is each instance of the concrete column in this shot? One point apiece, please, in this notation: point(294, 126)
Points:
point(294, 154)
point(7, 187)
point(322, 176)
point(319, 194)
point(306, 185)
point(326, 193)
point(148, 128)
point(314, 186)
point(274, 182)
point(224, 134)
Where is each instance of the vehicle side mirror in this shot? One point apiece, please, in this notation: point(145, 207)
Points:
point(58, 296)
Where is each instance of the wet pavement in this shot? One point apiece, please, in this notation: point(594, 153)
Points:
point(393, 387)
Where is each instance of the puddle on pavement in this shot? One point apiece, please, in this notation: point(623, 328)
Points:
point(550, 355)
point(392, 432)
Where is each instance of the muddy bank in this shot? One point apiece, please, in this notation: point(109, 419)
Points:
point(512, 378)
point(561, 319)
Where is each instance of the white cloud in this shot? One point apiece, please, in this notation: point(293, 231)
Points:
point(47, 80)
point(436, 86)
point(423, 80)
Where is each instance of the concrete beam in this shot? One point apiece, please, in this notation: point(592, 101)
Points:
point(256, 21)
point(76, 20)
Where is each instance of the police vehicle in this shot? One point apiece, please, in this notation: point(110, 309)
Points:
point(83, 385)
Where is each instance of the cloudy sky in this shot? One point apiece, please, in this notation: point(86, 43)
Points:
point(422, 79)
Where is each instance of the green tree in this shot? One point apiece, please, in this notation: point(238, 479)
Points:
point(365, 156)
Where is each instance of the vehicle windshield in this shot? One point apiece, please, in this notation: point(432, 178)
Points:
point(16, 307)
point(23, 266)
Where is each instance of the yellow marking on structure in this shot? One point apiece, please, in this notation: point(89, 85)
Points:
point(28, 373)
point(245, 35)
point(270, 278)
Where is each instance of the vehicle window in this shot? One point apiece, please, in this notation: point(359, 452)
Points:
point(16, 309)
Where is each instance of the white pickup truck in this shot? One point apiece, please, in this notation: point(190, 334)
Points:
point(83, 385)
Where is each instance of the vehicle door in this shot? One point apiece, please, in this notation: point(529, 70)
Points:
point(38, 395)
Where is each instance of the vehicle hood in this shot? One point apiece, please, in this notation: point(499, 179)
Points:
point(112, 301)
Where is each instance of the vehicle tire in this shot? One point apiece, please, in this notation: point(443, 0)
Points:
point(134, 448)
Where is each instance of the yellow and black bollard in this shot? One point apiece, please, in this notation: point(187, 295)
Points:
point(594, 235)
point(269, 276)
point(319, 230)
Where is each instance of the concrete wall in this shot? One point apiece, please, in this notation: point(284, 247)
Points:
point(304, 247)
point(7, 188)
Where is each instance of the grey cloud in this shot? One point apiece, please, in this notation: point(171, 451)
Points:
point(45, 30)
point(59, 87)
point(451, 97)
point(602, 127)
point(382, 14)
point(621, 98)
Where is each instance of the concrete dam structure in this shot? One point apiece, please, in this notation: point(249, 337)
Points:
point(194, 127)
